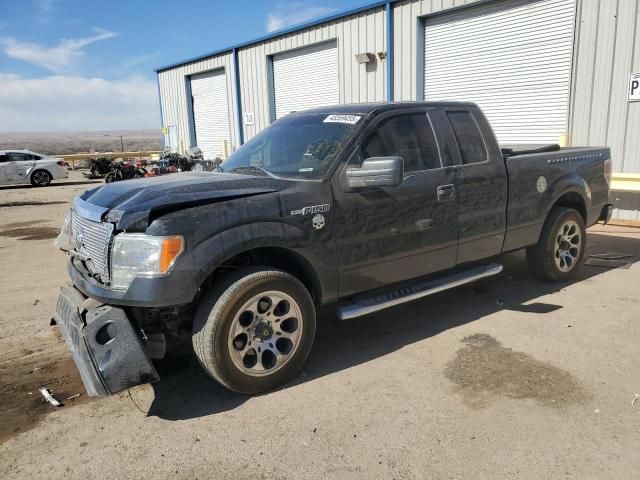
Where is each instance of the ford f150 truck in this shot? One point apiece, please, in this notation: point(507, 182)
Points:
point(361, 206)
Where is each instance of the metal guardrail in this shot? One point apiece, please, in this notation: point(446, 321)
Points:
point(76, 157)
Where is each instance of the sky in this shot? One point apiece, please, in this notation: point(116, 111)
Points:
point(70, 65)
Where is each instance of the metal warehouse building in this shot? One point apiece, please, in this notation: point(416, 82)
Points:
point(544, 71)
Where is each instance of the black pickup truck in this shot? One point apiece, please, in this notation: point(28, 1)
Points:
point(362, 206)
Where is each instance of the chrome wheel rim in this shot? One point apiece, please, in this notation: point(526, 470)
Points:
point(265, 333)
point(568, 246)
point(41, 178)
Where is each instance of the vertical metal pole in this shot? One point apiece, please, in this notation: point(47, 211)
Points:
point(161, 115)
point(389, 13)
point(236, 77)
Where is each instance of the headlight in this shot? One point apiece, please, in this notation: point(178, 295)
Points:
point(139, 255)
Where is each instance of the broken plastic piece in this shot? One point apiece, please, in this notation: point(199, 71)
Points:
point(49, 398)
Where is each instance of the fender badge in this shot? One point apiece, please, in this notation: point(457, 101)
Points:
point(313, 209)
point(541, 184)
point(318, 221)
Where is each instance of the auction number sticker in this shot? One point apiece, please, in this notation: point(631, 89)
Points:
point(348, 119)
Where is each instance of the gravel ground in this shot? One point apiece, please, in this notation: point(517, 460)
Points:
point(506, 378)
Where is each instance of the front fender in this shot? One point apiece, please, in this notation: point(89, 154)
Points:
point(215, 250)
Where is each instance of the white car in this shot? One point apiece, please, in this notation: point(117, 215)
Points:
point(24, 166)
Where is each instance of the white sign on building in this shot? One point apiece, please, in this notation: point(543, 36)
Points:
point(634, 87)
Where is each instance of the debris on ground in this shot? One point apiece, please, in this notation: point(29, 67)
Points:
point(635, 399)
point(73, 397)
point(36, 301)
point(609, 260)
point(46, 393)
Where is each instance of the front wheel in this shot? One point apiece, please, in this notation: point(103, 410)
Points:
point(255, 329)
point(560, 250)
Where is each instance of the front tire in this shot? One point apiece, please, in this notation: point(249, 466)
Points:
point(559, 253)
point(41, 178)
point(253, 331)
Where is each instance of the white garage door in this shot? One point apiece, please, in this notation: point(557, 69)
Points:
point(210, 112)
point(306, 78)
point(512, 58)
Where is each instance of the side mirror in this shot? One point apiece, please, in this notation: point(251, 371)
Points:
point(377, 172)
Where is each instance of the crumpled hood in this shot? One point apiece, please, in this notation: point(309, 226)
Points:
point(130, 202)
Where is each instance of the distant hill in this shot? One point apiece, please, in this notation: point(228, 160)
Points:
point(63, 143)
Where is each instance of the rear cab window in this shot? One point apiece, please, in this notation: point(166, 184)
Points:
point(468, 137)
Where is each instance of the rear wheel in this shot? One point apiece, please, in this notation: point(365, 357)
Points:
point(41, 178)
point(255, 329)
point(560, 250)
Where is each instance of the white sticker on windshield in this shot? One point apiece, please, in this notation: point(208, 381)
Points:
point(349, 119)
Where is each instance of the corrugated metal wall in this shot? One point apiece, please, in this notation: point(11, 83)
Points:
point(173, 94)
point(407, 39)
point(360, 33)
point(606, 52)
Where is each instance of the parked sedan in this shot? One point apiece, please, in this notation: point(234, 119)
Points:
point(24, 166)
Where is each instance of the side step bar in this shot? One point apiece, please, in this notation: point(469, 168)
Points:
point(368, 305)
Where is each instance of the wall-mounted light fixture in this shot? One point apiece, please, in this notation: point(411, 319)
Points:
point(365, 57)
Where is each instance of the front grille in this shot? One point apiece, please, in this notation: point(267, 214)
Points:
point(91, 240)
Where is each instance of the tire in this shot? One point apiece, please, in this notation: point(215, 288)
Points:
point(41, 178)
point(267, 347)
point(559, 253)
point(109, 178)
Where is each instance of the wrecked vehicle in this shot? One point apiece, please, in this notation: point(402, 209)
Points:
point(361, 206)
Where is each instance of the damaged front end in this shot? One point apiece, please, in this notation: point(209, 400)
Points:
point(108, 352)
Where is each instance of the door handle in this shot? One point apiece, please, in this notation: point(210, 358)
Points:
point(446, 193)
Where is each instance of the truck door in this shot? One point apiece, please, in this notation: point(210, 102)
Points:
point(391, 234)
point(481, 184)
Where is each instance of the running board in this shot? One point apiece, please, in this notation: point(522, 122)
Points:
point(368, 305)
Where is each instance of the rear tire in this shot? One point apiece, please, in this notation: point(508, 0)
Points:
point(254, 330)
point(559, 253)
point(41, 178)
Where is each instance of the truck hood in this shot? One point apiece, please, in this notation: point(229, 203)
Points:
point(131, 203)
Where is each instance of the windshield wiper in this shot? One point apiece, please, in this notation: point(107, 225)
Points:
point(251, 168)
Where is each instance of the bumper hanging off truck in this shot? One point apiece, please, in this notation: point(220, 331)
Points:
point(107, 350)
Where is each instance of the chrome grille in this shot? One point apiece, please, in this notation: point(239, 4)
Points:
point(91, 240)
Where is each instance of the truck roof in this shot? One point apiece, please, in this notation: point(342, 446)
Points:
point(368, 108)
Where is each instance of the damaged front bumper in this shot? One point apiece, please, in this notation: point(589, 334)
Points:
point(107, 350)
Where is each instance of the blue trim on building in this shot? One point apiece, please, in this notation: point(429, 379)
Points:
point(161, 113)
point(236, 79)
point(294, 28)
point(390, 69)
point(193, 140)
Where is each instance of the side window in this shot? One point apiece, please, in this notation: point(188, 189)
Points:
point(17, 157)
point(4, 158)
point(409, 136)
point(468, 136)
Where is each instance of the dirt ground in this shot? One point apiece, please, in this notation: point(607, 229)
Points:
point(505, 378)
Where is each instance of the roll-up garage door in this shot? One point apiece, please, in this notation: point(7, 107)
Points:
point(210, 112)
point(306, 78)
point(513, 58)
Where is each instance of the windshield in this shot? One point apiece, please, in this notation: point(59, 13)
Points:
point(298, 146)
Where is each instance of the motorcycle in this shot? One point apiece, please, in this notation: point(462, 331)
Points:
point(99, 167)
point(125, 171)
